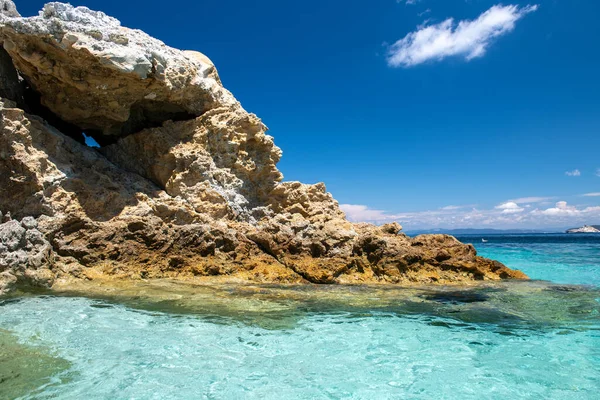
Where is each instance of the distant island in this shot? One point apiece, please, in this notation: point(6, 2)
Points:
point(484, 231)
point(585, 229)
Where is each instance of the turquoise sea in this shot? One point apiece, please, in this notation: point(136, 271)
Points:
point(161, 341)
point(561, 258)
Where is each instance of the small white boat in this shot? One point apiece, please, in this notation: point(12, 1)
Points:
point(483, 241)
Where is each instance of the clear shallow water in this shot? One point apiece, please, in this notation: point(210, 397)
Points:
point(517, 341)
point(120, 353)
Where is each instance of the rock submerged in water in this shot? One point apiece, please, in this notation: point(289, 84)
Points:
point(185, 184)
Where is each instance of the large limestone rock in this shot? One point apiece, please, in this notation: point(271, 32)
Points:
point(192, 198)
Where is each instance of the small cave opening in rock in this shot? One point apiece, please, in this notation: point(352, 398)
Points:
point(33, 105)
point(89, 137)
point(147, 114)
point(144, 115)
point(96, 133)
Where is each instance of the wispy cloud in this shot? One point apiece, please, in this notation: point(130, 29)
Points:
point(575, 172)
point(598, 172)
point(591, 194)
point(452, 208)
point(465, 38)
point(361, 213)
point(410, 2)
point(530, 200)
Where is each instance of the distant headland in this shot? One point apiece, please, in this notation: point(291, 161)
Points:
point(585, 229)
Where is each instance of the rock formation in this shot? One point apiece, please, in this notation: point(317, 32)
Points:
point(185, 184)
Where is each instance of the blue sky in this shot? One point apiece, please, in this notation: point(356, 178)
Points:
point(405, 114)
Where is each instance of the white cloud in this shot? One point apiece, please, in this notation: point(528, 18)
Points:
point(465, 38)
point(598, 172)
point(561, 209)
point(411, 2)
point(510, 207)
point(575, 172)
point(592, 194)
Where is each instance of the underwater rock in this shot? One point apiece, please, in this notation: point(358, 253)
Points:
point(25, 368)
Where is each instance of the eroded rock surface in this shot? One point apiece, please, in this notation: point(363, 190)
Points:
point(222, 163)
point(25, 254)
point(186, 194)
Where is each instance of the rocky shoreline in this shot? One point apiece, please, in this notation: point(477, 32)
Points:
point(185, 184)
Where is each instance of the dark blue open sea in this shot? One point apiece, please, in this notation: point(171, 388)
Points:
point(159, 340)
